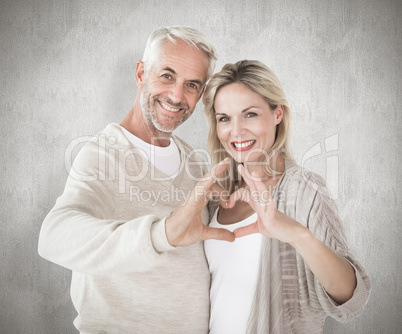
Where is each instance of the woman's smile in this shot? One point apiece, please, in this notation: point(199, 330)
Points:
point(243, 146)
point(246, 125)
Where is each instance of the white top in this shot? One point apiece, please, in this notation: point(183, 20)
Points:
point(166, 159)
point(234, 272)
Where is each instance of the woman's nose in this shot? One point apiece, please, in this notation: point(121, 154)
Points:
point(237, 128)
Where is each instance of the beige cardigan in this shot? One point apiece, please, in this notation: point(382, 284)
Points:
point(288, 298)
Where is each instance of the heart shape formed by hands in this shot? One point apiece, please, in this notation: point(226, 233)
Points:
point(270, 221)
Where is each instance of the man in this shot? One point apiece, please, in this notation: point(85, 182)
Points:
point(123, 214)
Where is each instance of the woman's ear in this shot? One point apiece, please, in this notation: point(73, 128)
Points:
point(278, 114)
point(139, 74)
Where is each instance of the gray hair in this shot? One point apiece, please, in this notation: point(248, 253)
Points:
point(187, 34)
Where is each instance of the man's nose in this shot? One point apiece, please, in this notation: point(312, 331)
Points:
point(176, 93)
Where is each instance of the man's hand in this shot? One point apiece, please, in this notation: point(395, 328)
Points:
point(184, 226)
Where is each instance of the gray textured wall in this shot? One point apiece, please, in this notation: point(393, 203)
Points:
point(67, 69)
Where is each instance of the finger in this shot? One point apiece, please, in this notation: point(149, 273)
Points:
point(219, 194)
point(216, 171)
point(258, 190)
point(201, 188)
point(262, 194)
point(265, 195)
point(271, 204)
point(221, 167)
point(218, 234)
point(246, 230)
point(246, 176)
point(245, 195)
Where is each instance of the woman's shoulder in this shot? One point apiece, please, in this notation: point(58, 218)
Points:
point(302, 180)
point(303, 194)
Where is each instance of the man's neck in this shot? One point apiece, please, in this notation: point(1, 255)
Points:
point(135, 123)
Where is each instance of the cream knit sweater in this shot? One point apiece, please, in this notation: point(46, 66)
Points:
point(108, 227)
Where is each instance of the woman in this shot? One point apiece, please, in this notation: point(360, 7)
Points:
point(290, 266)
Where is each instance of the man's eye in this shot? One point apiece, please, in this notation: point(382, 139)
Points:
point(167, 76)
point(193, 85)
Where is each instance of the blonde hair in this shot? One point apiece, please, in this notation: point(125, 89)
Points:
point(260, 79)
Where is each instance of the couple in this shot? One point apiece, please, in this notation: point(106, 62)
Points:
point(275, 259)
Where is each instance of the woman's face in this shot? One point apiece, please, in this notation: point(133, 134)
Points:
point(246, 125)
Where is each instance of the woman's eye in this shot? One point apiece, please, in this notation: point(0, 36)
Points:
point(251, 114)
point(223, 119)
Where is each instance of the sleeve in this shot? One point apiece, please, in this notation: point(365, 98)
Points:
point(323, 220)
point(78, 233)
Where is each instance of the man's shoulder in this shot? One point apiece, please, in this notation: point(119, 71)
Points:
point(110, 136)
point(114, 134)
point(99, 145)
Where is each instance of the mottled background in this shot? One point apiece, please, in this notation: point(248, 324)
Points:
point(67, 69)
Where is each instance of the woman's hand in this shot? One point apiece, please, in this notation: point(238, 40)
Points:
point(334, 273)
point(270, 222)
point(184, 225)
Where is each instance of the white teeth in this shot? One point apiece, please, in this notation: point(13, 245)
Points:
point(169, 108)
point(243, 145)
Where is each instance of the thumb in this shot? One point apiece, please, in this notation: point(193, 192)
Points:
point(246, 230)
point(218, 234)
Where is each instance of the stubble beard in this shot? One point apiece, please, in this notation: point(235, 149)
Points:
point(148, 102)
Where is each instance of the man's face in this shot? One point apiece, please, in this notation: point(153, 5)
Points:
point(172, 86)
